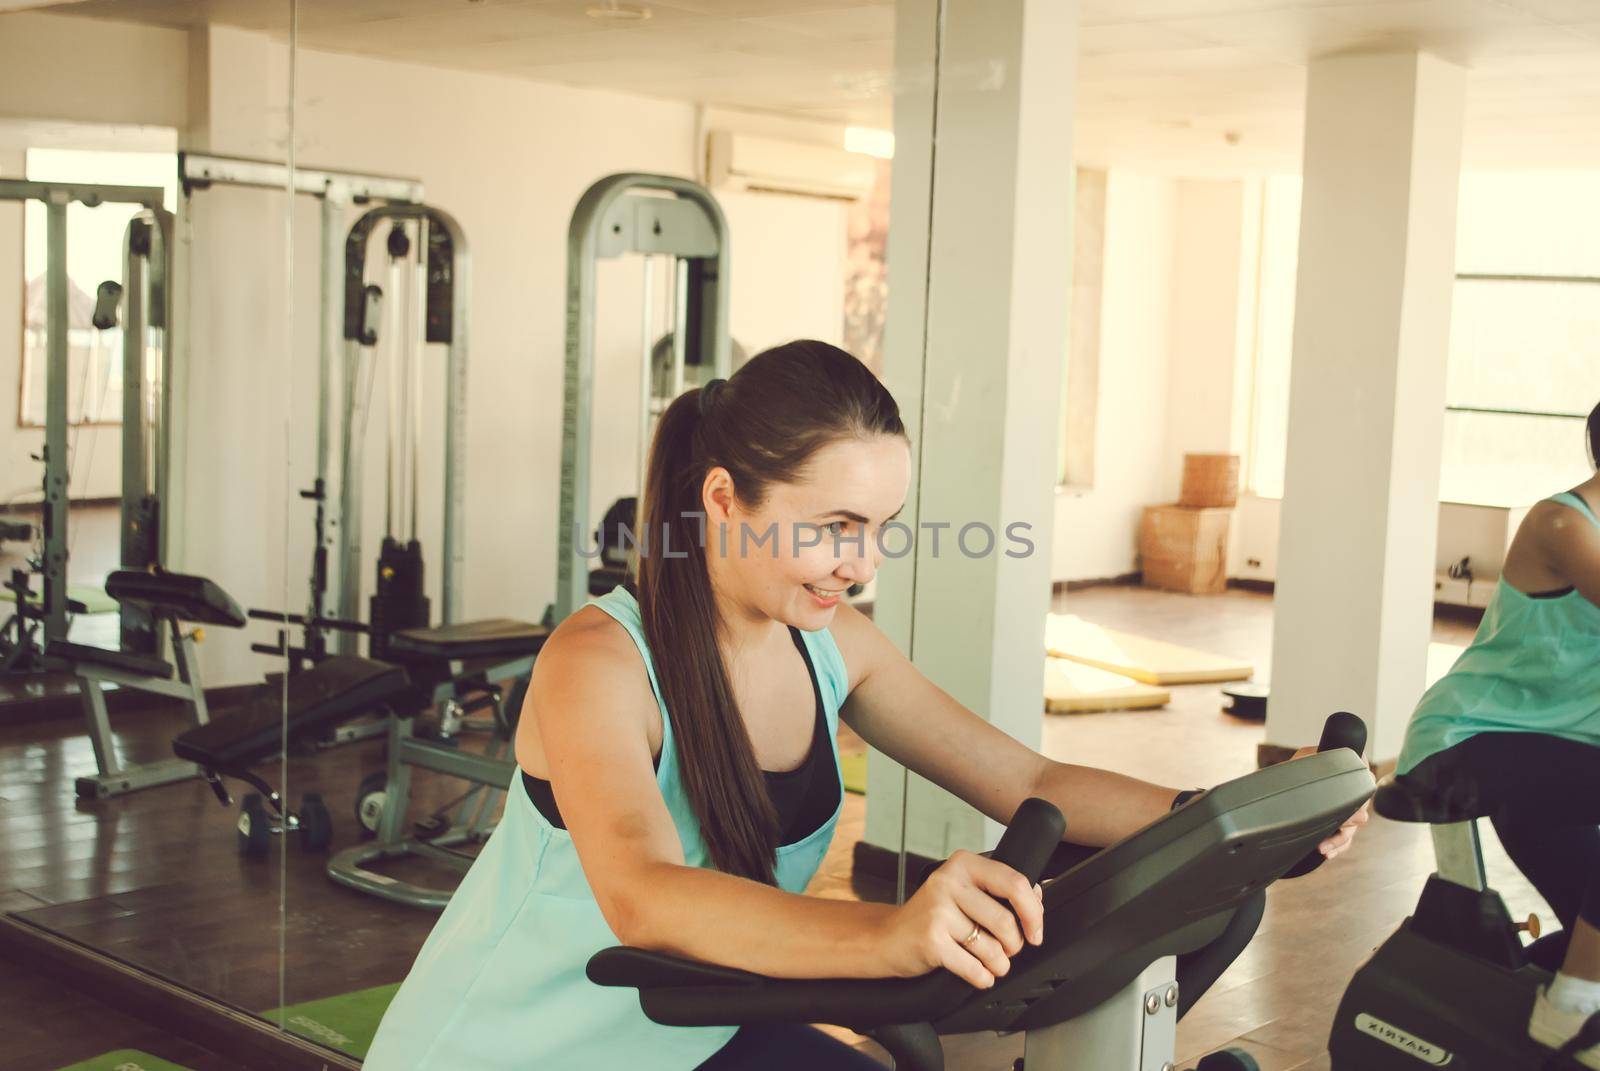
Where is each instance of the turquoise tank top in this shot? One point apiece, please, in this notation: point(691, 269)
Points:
point(1532, 667)
point(500, 983)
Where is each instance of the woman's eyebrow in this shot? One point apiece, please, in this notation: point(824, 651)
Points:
point(854, 516)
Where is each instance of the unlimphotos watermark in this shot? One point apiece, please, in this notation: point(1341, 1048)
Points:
point(895, 539)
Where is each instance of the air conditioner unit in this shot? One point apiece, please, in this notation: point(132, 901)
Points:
point(752, 162)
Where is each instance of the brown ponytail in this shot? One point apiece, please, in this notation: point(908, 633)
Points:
point(762, 425)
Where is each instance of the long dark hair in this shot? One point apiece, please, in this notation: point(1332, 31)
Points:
point(763, 424)
point(1594, 437)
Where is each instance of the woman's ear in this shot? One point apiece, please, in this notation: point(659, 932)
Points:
point(716, 495)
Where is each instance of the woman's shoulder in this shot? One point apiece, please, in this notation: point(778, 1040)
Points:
point(1555, 530)
point(1566, 516)
point(588, 639)
point(592, 653)
point(590, 667)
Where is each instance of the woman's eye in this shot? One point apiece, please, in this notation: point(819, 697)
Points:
point(836, 528)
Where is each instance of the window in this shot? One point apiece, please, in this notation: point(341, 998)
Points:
point(1524, 354)
point(94, 255)
point(1524, 340)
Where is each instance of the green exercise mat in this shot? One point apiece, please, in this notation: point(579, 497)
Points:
point(854, 768)
point(126, 1060)
point(347, 1023)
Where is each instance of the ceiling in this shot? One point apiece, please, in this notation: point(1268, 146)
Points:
point(1187, 86)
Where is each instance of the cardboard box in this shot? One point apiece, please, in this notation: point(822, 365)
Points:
point(1210, 481)
point(1182, 549)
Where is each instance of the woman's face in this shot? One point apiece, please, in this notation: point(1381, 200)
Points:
point(794, 558)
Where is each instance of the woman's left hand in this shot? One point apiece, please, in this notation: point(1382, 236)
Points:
point(1341, 840)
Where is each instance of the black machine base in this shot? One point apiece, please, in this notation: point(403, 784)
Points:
point(1418, 1003)
point(1247, 699)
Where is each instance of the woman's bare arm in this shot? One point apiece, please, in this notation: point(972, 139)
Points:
point(897, 709)
point(593, 706)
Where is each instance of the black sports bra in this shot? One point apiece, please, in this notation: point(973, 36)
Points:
point(805, 797)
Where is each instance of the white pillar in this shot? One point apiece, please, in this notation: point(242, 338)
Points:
point(1366, 395)
point(230, 507)
point(976, 340)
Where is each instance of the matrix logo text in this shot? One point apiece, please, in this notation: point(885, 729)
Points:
point(1425, 1051)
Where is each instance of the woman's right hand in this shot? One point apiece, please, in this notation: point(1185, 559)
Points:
point(968, 889)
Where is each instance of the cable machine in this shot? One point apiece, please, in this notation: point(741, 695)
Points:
point(422, 299)
point(144, 298)
point(653, 215)
point(426, 257)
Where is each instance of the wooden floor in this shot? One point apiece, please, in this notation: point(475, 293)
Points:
point(48, 1024)
point(155, 879)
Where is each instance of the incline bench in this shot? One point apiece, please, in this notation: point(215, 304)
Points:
point(169, 598)
point(328, 694)
point(453, 668)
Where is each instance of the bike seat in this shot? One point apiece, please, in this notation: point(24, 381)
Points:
point(1404, 800)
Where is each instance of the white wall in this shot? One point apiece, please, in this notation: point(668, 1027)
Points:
point(1482, 533)
point(1096, 531)
point(55, 73)
point(1169, 344)
point(1207, 248)
point(788, 280)
point(509, 159)
point(1175, 368)
point(92, 71)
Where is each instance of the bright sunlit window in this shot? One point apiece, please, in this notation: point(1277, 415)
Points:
point(1524, 364)
point(94, 255)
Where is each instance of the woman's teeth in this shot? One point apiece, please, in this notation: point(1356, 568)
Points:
point(823, 593)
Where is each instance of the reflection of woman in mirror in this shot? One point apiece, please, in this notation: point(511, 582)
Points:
point(681, 783)
point(1513, 732)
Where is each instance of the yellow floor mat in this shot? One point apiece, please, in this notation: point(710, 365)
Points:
point(1074, 688)
point(853, 765)
point(1147, 660)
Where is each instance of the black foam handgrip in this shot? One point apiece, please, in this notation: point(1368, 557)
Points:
point(1032, 836)
point(107, 297)
point(1340, 730)
point(1343, 729)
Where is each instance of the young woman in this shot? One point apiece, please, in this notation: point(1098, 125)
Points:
point(680, 770)
point(1514, 729)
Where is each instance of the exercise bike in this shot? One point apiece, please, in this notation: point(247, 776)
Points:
point(1453, 987)
point(1100, 993)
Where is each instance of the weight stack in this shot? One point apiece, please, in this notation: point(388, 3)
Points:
point(401, 601)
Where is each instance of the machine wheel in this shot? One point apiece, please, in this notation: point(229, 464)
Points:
point(255, 827)
point(316, 824)
point(1229, 1060)
point(371, 797)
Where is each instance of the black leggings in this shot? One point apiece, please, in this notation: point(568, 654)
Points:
point(793, 1047)
point(1543, 795)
